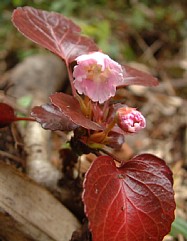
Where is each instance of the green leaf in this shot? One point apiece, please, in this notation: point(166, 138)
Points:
point(179, 226)
point(25, 101)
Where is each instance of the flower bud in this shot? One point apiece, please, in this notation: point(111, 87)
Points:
point(96, 75)
point(130, 120)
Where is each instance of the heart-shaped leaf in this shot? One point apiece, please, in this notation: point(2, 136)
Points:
point(51, 118)
point(136, 77)
point(131, 202)
point(7, 115)
point(71, 108)
point(52, 31)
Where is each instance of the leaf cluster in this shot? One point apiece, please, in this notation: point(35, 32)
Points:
point(132, 201)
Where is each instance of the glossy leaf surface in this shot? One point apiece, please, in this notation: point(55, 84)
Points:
point(7, 115)
point(52, 31)
point(132, 202)
point(50, 117)
point(134, 76)
point(71, 108)
point(63, 37)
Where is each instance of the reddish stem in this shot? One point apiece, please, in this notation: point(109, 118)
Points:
point(24, 119)
point(111, 155)
point(71, 79)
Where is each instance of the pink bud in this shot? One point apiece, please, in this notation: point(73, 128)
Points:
point(130, 120)
point(96, 75)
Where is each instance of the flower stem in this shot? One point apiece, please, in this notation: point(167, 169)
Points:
point(110, 126)
point(113, 156)
point(71, 79)
point(24, 119)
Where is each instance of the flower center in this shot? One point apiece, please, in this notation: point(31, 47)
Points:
point(95, 73)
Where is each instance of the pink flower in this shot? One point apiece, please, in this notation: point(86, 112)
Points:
point(96, 75)
point(130, 120)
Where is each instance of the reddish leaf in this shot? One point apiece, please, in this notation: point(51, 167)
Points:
point(7, 115)
point(52, 31)
point(132, 202)
point(137, 77)
point(71, 108)
point(50, 117)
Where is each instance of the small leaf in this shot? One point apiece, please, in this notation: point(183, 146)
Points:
point(50, 117)
point(25, 101)
point(131, 202)
point(52, 31)
point(7, 115)
point(136, 77)
point(179, 226)
point(71, 108)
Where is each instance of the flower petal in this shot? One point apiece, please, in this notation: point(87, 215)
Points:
point(96, 75)
point(130, 120)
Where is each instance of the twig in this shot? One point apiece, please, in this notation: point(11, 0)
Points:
point(34, 210)
point(39, 76)
point(14, 158)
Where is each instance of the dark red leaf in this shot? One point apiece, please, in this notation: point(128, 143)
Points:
point(50, 117)
point(71, 108)
point(52, 31)
point(137, 77)
point(7, 115)
point(116, 140)
point(134, 202)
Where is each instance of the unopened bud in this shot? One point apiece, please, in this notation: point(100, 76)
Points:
point(130, 120)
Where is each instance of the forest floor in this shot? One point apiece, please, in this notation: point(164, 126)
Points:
point(165, 109)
